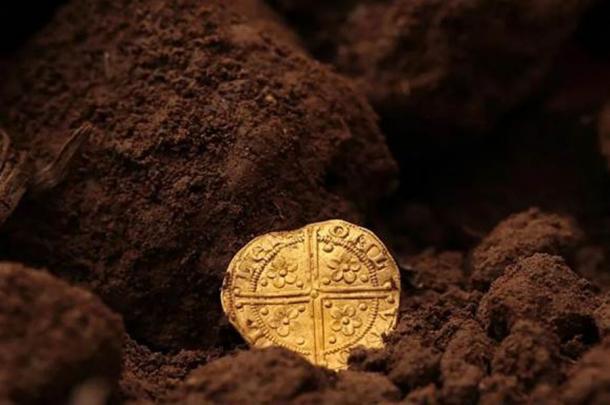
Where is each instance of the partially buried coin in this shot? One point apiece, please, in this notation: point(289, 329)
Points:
point(320, 291)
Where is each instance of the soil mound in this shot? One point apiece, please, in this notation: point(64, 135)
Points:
point(206, 132)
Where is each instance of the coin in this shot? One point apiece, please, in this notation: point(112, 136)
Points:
point(319, 291)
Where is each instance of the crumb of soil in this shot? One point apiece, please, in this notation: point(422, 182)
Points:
point(429, 324)
point(530, 353)
point(602, 317)
point(589, 379)
point(276, 375)
point(53, 338)
point(150, 376)
point(354, 387)
point(424, 395)
point(207, 132)
point(521, 235)
point(542, 288)
point(500, 389)
point(411, 364)
point(465, 363)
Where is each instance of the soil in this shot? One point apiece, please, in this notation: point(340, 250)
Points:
point(458, 63)
point(204, 135)
point(53, 338)
point(521, 234)
point(149, 140)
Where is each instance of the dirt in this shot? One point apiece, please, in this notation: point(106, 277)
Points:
point(521, 234)
point(54, 338)
point(542, 288)
point(459, 63)
point(204, 135)
point(149, 375)
point(205, 123)
point(589, 379)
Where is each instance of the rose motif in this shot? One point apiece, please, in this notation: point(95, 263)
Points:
point(345, 268)
point(345, 320)
point(283, 321)
point(281, 272)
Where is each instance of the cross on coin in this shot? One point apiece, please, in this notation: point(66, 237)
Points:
point(320, 291)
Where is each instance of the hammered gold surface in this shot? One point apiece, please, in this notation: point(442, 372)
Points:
point(320, 291)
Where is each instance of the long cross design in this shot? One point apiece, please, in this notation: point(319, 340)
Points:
point(319, 293)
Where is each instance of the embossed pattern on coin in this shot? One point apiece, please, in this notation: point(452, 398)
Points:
point(319, 291)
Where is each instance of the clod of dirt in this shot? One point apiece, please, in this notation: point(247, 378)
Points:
point(500, 389)
point(256, 376)
point(407, 362)
point(521, 235)
point(602, 317)
point(458, 62)
point(428, 325)
point(151, 376)
point(465, 363)
point(425, 395)
point(589, 380)
point(276, 375)
point(433, 317)
point(354, 387)
point(543, 289)
point(207, 132)
point(435, 271)
point(413, 364)
point(53, 337)
point(530, 353)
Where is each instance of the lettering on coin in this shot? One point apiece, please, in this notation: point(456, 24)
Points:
point(319, 291)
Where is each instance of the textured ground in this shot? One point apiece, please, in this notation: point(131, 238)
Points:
point(482, 163)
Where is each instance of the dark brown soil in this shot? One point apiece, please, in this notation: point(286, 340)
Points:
point(207, 123)
point(460, 63)
point(521, 234)
point(589, 380)
point(207, 131)
point(150, 375)
point(278, 376)
point(53, 338)
point(544, 289)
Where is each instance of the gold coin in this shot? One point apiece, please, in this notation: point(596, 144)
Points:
point(319, 291)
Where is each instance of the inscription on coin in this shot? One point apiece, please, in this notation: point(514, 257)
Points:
point(320, 291)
